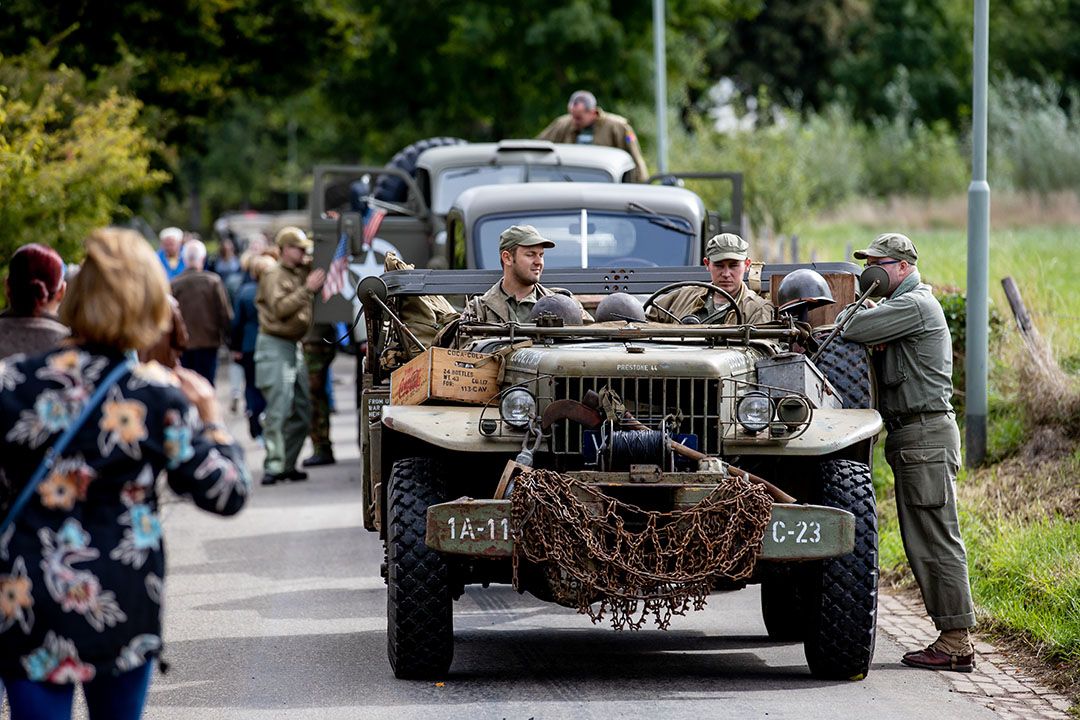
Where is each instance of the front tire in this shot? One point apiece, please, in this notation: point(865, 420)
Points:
point(419, 607)
point(841, 598)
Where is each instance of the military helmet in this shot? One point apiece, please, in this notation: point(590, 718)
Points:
point(803, 289)
point(620, 306)
point(561, 306)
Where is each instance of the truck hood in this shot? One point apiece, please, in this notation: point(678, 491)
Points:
point(610, 359)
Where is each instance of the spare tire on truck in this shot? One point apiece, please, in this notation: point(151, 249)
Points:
point(391, 188)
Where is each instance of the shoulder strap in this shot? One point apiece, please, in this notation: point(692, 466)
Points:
point(61, 444)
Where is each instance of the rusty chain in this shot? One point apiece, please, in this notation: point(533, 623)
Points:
point(632, 563)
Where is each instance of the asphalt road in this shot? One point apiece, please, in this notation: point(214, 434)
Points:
point(281, 612)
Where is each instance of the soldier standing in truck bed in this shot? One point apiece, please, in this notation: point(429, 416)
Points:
point(913, 358)
point(586, 123)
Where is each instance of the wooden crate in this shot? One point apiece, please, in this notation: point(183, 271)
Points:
point(444, 374)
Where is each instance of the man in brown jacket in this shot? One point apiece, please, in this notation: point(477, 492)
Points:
point(284, 303)
point(727, 261)
point(206, 311)
point(586, 123)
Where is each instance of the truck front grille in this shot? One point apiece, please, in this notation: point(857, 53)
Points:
point(649, 400)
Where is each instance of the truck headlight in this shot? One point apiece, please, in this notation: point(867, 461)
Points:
point(518, 408)
point(754, 411)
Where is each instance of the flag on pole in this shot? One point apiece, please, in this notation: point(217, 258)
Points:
point(335, 276)
point(372, 225)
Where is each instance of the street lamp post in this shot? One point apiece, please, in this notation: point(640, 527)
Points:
point(978, 261)
point(660, 52)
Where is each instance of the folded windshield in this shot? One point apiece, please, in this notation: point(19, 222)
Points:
point(630, 239)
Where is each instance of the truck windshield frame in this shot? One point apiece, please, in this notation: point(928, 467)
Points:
point(623, 238)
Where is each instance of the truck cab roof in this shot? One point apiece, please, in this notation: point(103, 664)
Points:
point(453, 169)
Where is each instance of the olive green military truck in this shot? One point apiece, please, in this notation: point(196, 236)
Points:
point(625, 469)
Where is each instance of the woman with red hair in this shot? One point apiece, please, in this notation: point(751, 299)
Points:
point(35, 286)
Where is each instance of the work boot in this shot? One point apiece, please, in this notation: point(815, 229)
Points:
point(319, 459)
point(953, 650)
point(294, 475)
point(272, 478)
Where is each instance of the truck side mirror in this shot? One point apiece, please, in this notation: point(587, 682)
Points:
point(351, 226)
point(714, 224)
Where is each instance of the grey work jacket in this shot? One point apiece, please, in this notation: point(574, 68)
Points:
point(914, 369)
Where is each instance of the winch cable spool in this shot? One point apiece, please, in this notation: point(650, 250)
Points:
point(631, 447)
point(661, 566)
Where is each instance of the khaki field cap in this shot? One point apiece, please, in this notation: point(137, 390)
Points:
point(890, 245)
point(294, 237)
point(726, 246)
point(524, 236)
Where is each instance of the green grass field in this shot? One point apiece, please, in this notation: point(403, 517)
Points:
point(1043, 261)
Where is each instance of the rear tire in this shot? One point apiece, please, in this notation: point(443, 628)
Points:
point(782, 604)
point(841, 598)
point(419, 608)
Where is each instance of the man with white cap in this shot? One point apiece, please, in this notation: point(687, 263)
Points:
point(521, 252)
point(727, 261)
point(913, 359)
point(284, 301)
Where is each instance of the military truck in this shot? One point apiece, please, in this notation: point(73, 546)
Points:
point(622, 468)
point(420, 186)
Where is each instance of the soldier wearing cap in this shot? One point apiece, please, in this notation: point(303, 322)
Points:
point(727, 261)
point(284, 304)
point(521, 252)
point(913, 359)
point(586, 123)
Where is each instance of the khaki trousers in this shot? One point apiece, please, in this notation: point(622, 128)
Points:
point(925, 457)
point(283, 380)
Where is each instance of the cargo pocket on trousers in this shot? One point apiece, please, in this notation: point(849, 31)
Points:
point(925, 476)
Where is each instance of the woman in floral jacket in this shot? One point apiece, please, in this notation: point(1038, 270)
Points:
point(82, 567)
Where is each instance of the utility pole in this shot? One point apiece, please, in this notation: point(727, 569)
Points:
point(978, 259)
point(293, 174)
point(660, 51)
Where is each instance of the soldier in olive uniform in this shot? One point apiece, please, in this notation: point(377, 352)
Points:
point(586, 123)
point(521, 251)
point(727, 261)
point(318, 356)
point(284, 301)
point(913, 359)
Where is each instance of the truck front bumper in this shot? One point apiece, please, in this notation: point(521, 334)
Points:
point(484, 528)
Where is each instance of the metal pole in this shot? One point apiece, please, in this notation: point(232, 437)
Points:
point(661, 84)
point(978, 261)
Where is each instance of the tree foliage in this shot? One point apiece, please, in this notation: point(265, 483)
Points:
point(69, 154)
point(229, 86)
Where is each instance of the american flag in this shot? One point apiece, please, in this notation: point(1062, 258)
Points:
point(335, 276)
point(372, 225)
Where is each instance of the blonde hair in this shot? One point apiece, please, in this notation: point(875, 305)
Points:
point(119, 297)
